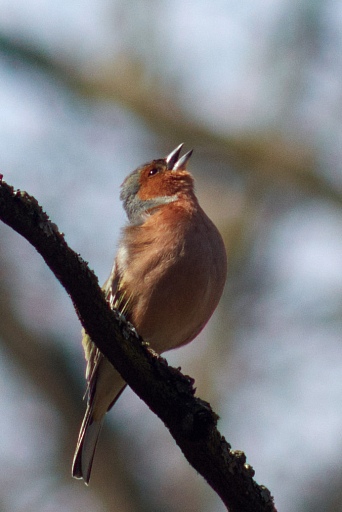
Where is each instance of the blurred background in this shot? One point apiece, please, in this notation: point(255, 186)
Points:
point(89, 90)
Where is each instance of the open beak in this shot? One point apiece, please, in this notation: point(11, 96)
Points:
point(173, 161)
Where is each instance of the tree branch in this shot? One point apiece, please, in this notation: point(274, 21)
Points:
point(167, 392)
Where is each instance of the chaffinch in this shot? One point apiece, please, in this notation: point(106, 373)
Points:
point(167, 279)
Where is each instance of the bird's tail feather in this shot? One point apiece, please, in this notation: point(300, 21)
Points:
point(88, 437)
point(86, 446)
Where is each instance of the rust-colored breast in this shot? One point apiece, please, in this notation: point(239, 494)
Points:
point(175, 270)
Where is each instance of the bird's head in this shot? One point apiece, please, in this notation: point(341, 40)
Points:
point(155, 184)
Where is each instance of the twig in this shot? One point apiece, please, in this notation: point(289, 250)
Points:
point(167, 392)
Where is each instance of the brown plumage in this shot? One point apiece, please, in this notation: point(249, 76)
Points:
point(167, 279)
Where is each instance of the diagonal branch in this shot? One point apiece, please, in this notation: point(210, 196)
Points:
point(167, 392)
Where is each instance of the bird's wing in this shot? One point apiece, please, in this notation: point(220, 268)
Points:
point(116, 298)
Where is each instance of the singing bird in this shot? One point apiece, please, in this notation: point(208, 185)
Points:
point(167, 279)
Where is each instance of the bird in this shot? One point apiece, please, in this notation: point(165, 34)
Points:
point(167, 279)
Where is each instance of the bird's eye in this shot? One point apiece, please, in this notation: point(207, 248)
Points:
point(153, 171)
